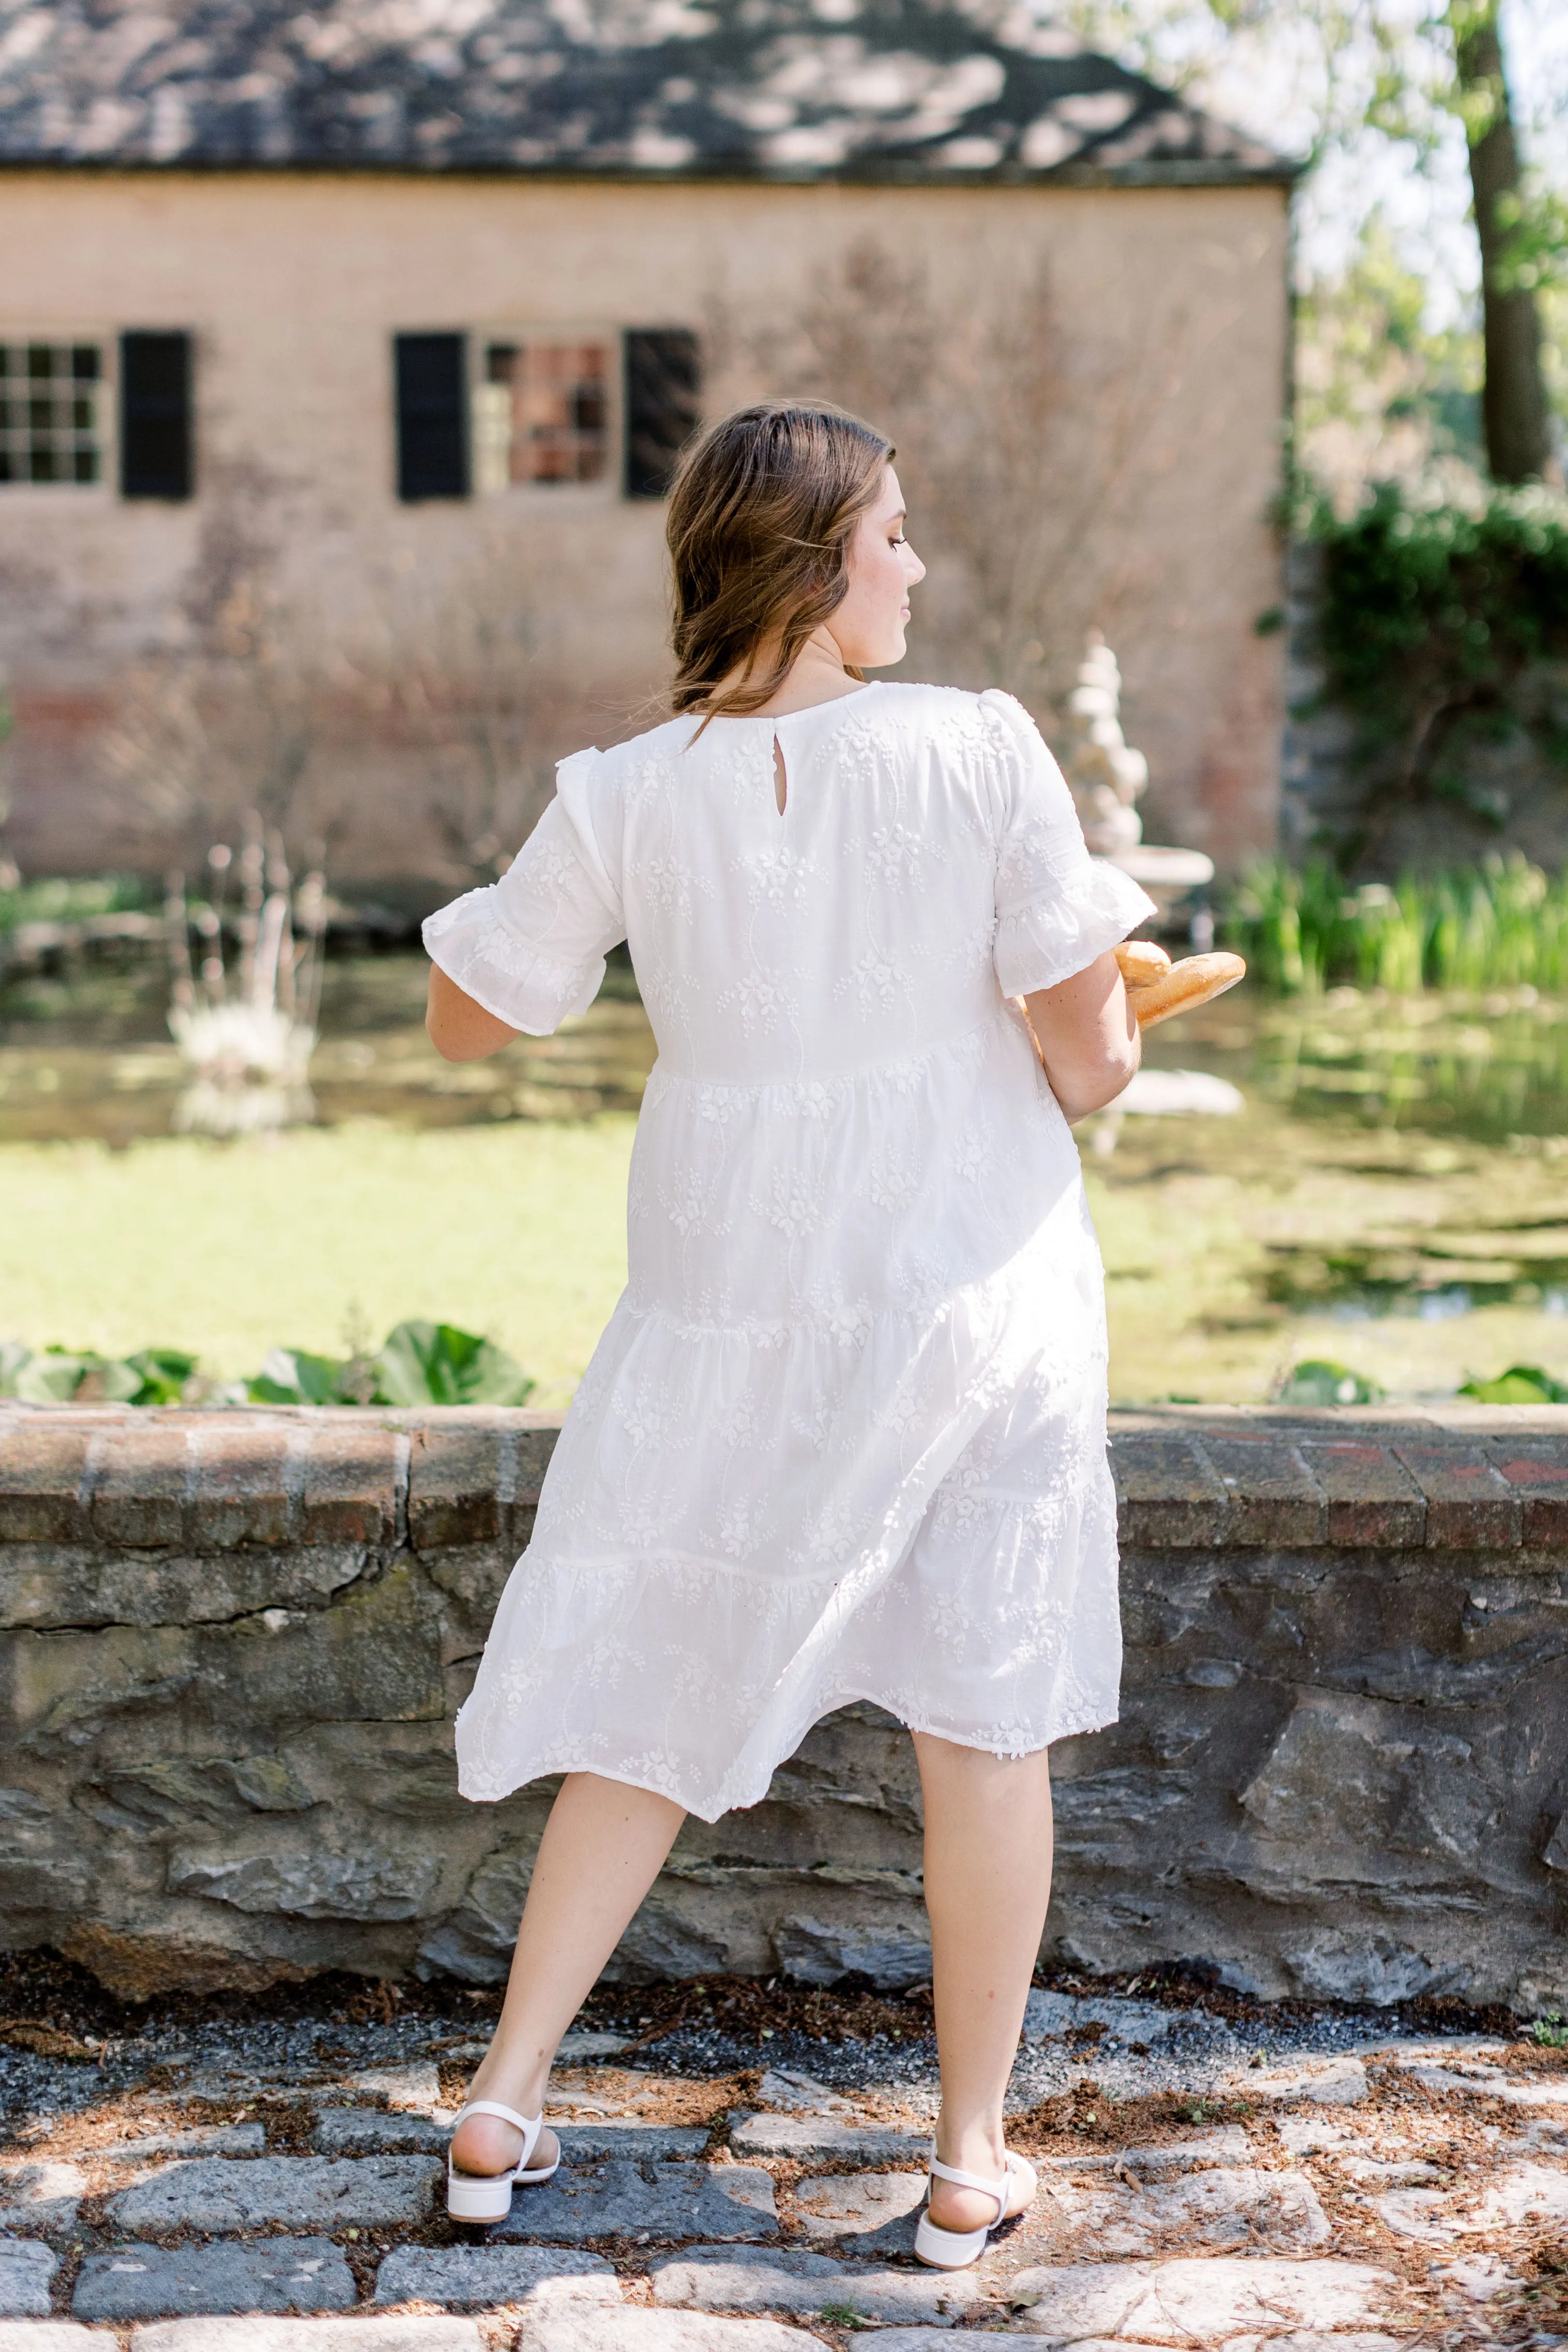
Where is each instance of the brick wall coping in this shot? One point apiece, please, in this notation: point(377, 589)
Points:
point(1455, 1476)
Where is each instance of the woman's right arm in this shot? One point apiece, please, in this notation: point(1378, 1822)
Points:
point(1088, 1038)
point(459, 1029)
point(517, 956)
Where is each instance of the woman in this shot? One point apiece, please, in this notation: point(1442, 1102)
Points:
point(844, 1436)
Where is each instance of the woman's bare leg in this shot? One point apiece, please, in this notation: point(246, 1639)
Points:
point(987, 1884)
point(602, 1847)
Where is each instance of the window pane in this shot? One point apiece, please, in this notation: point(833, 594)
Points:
point(49, 412)
point(557, 424)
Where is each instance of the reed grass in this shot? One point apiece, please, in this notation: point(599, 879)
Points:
point(1502, 924)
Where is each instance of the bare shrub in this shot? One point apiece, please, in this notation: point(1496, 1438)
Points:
point(1024, 446)
point(231, 720)
point(464, 681)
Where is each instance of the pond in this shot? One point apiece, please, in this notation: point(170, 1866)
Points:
point(1390, 1196)
point(88, 1055)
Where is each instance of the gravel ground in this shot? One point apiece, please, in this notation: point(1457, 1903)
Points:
point(1214, 2170)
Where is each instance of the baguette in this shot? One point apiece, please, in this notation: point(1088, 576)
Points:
point(1183, 985)
point(1141, 962)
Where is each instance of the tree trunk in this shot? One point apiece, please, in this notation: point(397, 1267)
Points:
point(1513, 400)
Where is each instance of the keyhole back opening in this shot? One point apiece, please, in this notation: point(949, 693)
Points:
point(780, 781)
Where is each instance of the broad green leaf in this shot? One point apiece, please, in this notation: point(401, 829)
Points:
point(1321, 1381)
point(56, 1378)
point(293, 1376)
point(1521, 1384)
point(436, 1363)
point(164, 1371)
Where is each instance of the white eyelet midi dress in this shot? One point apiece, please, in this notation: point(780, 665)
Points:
point(844, 1436)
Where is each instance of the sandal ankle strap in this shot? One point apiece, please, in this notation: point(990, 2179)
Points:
point(997, 2188)
point(528, 2126)
point(507, 2114)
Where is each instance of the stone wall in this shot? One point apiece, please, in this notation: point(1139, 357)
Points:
point(234, 1642)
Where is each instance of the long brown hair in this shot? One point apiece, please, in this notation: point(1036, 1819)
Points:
point(761, 517)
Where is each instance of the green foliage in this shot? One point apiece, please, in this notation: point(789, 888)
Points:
point(293, 1376)
point(1321, 1381)
point(1502, 924)
point(1421, 593)
point(57, 1377)
point(67, 900)
point(1521, 1384)
point(435, 1363)
point(421, 1363)
point(1431, 616)
point(166, 1373)
point(1373, 370)
point(1549, 2031)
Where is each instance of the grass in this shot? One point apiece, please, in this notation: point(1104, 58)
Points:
point(1234, 1248)
point(1502, 924)
point(318, 1238)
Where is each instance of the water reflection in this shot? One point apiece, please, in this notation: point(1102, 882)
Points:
point(1487, 1068)
point(79, 1059)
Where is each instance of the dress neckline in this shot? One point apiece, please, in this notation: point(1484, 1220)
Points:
point(833, 702)
point(809, 710)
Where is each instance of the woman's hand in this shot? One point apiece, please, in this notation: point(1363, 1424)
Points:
point(1086, 1036)
point(460, 1029)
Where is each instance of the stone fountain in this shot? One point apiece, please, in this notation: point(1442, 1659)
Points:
point(1107, 779)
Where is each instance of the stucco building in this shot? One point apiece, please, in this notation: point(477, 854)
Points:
point(346, 352)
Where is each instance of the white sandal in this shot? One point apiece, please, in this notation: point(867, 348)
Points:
point(487, 2196)
point(954, 2249)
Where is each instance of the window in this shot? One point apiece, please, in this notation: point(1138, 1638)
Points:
point(431, 376)
point(513, 410)
point(542, 413)
point(663, 379)
point(156, 438)
point(51, 425)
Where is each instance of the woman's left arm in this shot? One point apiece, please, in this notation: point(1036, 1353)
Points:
point(1088, 1038)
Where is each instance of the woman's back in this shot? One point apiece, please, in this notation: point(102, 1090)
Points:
point(847, 1119)
point(852, 928)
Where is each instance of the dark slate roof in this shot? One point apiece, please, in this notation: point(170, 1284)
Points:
point(901, 89)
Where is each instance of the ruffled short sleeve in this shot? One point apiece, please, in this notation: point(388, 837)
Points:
point(1056, 907)
point(531, 947)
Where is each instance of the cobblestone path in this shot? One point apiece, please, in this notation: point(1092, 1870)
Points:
point(1205, 2183)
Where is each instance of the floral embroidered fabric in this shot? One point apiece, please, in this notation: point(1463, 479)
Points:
point(844, 1436)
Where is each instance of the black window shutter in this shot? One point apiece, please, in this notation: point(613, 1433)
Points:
point(155, 435)
point(432, 417)
point(663, 381)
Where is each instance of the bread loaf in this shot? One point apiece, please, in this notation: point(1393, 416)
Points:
point(1177, 990)
point(1141, 962)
